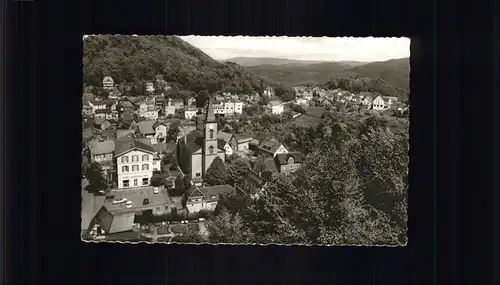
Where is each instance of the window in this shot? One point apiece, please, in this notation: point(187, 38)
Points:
point(135, 167)
point(135, 182)
point(211, 134)
point(145, 167)
point(135, 158)
point(145, 181)
point(125, 168)
point(198, 174)
point(126, 183)
point(211, 150)
point(125, 159)
point(145, 157)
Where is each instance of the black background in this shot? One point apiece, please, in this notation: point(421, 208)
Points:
point(452, 139)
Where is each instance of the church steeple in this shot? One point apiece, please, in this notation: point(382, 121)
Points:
point(210, 116)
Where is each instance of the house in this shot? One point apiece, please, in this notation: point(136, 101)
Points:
point(271, 148)
point(145, 129)
point(161, 130)
point(269, 91)
point(108, 84)
point(114, 94)
point(197, 149)
point(86, 110)
point(102, 152)
point(302, 101)
point(151, 114)
point(191, 101)
point(276, 107)
point(379, 104)
point(97, 105)
point(101, 123)
point(205, 198)
point(112, 221)
point(365, 98)
point(238, 107)
point(307, 95)
point(240, 142)
point(150, 87)
point(252, 185)
point(224, 139)
point(134, 163)
point(189, 113)
point(288, 162)
point(389, 101)
point(120, 217)
point(160, 102)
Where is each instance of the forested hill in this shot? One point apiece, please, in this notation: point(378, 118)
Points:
point(394, 72)
point(135, 59)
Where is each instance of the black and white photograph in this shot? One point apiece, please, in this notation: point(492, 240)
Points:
point(245, 140)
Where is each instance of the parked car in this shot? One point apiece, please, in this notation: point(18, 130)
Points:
point(156, 190)
point(119, 201)
point(201, 220)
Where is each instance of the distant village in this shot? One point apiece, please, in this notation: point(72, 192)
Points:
point(136, 139)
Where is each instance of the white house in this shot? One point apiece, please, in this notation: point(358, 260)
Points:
point(150, 87)
point(151, 114)
point(189, 113)
point(161, 130)
point(276, 107)
point(205, 198)
point(379, 104)
point(134, 163)
point(108, 83)
point(238, 107)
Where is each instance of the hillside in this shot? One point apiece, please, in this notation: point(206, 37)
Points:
point(130, 59)
point(395, 72)
point(253, 61)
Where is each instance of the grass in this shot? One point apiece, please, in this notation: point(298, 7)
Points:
point(178, 229)
point(193, 228)
point(163, 229)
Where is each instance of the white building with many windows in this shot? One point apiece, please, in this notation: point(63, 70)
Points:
point(134, 163)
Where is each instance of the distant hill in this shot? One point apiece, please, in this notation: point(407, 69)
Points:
point(134, 59)
point(253, 61)
point(395, 72)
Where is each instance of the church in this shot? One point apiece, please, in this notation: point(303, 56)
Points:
point(197, 150)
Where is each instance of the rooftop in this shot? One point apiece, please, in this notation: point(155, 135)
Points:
point(282, 158)
point(224, 136)
point(146, 127)
point(102, 147)
point(137, 196)
point(122, 146)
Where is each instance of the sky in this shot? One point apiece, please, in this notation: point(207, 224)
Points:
point(303, 48)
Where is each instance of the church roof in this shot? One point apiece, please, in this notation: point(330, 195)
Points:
point(210, 117)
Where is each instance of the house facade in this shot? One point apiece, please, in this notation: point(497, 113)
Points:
point(150, 87)
point(108, 83)
point(276, 107)
point(189, 113)
point(134, 163)
point(271, 148)
point(379, 104)
point(288, 162)
point(206, 198)
point(240, 142)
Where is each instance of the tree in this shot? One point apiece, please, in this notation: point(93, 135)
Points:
point(237, 168)
point(179, 184)
point(157, 179)
point(202, 98)
point(264, 100)
point(216, 173)
point(96, 179)
point(229, 228)
point(298, 108)
point(173, 131)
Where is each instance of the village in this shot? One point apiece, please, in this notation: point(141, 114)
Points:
point(157, 154)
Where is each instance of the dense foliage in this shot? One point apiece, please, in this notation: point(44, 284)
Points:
point(367, 84)
point(134, 60)
point(351, 189)
point(96, 179)
point(216, 173)
point(395, 72)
